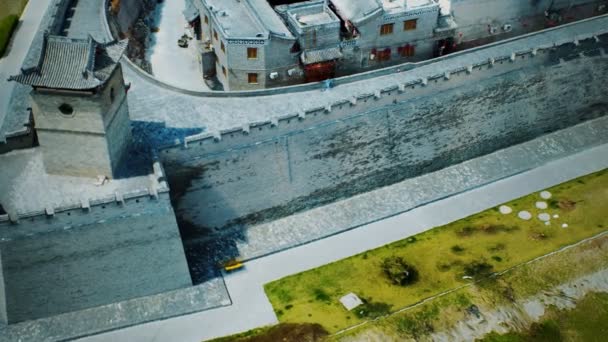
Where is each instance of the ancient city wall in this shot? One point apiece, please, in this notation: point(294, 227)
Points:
point(271, 169)
point(93, 263)
point(91, 253)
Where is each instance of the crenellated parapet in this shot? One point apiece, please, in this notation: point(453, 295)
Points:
point(414, 122)
point(91, 208)
point(593, 44)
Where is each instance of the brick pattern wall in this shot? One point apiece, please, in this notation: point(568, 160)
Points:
point(272, 169)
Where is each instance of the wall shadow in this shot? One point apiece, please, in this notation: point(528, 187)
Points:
point(147, 138)
point(207, 248)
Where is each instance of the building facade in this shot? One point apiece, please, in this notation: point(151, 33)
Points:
point(252, 44)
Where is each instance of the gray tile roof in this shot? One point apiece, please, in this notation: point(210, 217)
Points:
point(322, 55)
point(75, 64)
point(246, 19)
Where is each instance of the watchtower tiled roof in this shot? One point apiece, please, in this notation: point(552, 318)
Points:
point(75, 64)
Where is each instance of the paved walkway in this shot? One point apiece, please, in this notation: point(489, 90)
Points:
point(251, 307)
point(20, 44)
point(170, 63)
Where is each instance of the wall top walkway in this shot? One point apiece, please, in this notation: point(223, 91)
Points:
point(150, 100)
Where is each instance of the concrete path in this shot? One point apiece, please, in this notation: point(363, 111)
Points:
point(18, 48)
point(251, 307)
point(170, 63)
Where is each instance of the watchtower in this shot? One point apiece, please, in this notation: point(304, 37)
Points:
point(79, 104)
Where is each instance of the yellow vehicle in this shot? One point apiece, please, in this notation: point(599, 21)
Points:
point(232, 265)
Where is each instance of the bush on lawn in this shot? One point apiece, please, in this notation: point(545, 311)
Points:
point(7, 25)
point(478, 269)
point(372, 310)
point(398, 271)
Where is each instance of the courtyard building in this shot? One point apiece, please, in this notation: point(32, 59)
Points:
point(253, 44)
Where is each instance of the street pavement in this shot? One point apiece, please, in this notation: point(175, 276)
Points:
point(170, 63)
point(251, 307)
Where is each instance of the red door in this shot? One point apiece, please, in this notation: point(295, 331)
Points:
point(319, 71)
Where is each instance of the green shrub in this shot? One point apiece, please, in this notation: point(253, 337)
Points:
point(7, 26)
point(398, 271)
point(414, 327)
point(496, 258)
point(372, 310)
point(457, 249)
point(478, 269)
point(321, 296)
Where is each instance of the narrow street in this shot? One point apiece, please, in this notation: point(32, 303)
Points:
point(170, 63)
point(251, 307)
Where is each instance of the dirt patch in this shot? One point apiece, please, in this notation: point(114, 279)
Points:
point(286, 332)
point(566, 205)
point(465, 231)
point(538, 236)
point(523, 314)
point(496, 228)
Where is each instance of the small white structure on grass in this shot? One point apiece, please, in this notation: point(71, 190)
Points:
point(524, 215)
point(351, 301)
point(541, 205)
point(505, 210)
point(545, 194)
point(544, 217)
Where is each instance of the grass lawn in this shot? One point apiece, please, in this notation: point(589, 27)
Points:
point(441, 256)
point(10, 10)
point(442, 313)
point(566, 325)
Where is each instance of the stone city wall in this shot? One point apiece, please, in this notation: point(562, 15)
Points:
point(271, 169)
point(90, 263)
point(89, 254)
point(66, 214)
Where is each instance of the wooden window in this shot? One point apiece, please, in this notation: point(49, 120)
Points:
point(206, 19)
point(252, 78)
point(215, 34)
point(409, 25)
point(224, 70)
point(383, 55)
point(386, 29)
point(252, 53)
point(407, 50)
point(223, 47)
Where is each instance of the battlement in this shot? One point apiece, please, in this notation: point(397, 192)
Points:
point(419, 84)
point(128, 198)
point(364, 135)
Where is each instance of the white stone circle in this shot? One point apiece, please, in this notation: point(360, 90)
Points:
point(544, 217)
point(541, 205)
point(505, 209)
point(545, 194)
point(524, 215)
point(555, 216)
point(564, 225)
